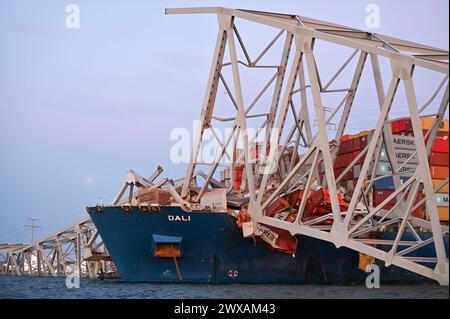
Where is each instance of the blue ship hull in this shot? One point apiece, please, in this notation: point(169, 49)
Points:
point(214, 251)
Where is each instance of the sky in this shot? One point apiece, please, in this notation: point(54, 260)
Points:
point(80, 107)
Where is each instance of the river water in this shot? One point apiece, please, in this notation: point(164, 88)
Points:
point(49, 288)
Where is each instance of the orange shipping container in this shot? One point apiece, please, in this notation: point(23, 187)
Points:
point(443, 214)
point(427, 123)
point(437, 182)
point(439, 172)
point(360, 134)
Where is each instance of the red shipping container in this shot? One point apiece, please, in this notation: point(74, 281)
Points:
point(347, 177)
point(237, 175)
point(442, 136)
point(277, 206)
point(348, 159)
point(345, 137)
point(294, 198)
point(363, 141)
point(356, 144)
point(439, 172)
point(359, 143)
point(419, 212)
point(238, 171)
point(440, 146)
point(338, 161)
point(337, 172)
point(380, 195)
point(401, 126)
point(439, 159)
point(345, 147)
point(350, 175)
point(439, 135)
point(341, 161)
point(361, 160)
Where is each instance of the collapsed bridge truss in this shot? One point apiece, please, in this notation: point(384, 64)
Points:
point(297, 91)
point(77, 249)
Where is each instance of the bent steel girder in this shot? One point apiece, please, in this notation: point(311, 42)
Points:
point(61, 253)
point(299, 63)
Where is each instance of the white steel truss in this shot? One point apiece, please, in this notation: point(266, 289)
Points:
point(76, 248)
point(299, 63)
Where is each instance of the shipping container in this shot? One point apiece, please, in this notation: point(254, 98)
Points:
point(238, 175)
point(347, 159)
point(387, 183)
point(437, 182)
point(439, 135)
point(338, 162)
point(403, 142)
point(380, 195)
point(362, 142)
point(345, 147)
point(401, 155)
point(361, 160)
point(347, 177)
point(440, 146)
point(406, 170)
point(439, 172)
point(441, 200)
point(439, 159)
point(401, 126)
point(360, 134)
point(427, 124)
point(342, 161)
point(346, 137)
point(443, 214)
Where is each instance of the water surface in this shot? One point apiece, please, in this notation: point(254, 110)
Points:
point(49, 288)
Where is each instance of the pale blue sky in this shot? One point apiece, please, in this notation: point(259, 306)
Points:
point(79, 107)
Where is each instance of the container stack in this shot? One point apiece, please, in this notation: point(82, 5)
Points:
point(256, 158)
point(350, 147)
point(404, 145)
point(439, 162)
point(238, 174)
point(404, 148)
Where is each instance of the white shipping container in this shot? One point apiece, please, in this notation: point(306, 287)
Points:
point(401, 155)
point(402, 142)
point(407, 170)
point(441, 200)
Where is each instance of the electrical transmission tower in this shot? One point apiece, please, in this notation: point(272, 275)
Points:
point(33, 226)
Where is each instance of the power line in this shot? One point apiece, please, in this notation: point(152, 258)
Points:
point(33, 226)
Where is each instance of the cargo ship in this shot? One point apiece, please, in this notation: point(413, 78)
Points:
point(310, 209)
point(152, 239)
point(172, 246)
